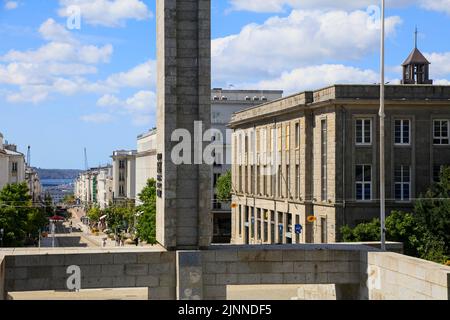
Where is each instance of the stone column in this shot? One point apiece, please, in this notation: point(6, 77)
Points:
point(184, 218)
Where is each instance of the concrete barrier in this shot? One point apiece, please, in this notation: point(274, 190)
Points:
point(392, 276)
point(356, 271)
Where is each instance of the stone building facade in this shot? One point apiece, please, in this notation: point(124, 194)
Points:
point(316, 154)
point(124, 175)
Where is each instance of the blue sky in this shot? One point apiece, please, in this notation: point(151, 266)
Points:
point(62, 90)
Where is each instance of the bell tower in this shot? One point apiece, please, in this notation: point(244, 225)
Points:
point(416, 68)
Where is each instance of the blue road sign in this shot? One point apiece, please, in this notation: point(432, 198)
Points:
point(298, 228)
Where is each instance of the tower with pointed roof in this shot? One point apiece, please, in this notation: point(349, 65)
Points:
point(416, 68)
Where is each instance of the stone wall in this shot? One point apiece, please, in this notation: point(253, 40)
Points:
point(155, 270)
point(358, 272)
point(391, 276)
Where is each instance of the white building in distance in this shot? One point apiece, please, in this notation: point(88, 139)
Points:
point(105, 187)
point(145, 161)
point(224, 103)
point(124, 175)
point(12, 164)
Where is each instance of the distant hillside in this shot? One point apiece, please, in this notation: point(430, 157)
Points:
point(58, 173)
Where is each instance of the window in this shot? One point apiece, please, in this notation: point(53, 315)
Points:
point(364, 131)
point(402, 183)
point(121, 191)
point(265, 191)
point(297, 181)
point(263, 98)
point(255, 98)
point(402, 132)
point(288, 137)
point(258, 141)
point(224, 98)
point(240, 220)
point(441, 132)
point(258, 223)
point(247, 98)
point(216, 98)
point(14, 167)
point(363, 179)
point(279, 138)
point(258, 180)
point(279, 181)
point(297, 135)
point(288, 181)
point(323, 230)
point(121, 164)
point(324, 178)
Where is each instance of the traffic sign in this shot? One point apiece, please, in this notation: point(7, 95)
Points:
point(298, 229)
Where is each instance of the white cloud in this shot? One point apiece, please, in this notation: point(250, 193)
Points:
point(314, 77)
point(108, 100)
point(301, 39)
point(275, 6)
point(141, 106)
point(436, 5)
point(11, 5)
point(107, 13)
point(440, 64)
point(143, 75)
point(98, 118)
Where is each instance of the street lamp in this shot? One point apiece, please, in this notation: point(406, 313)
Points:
point(382, 134)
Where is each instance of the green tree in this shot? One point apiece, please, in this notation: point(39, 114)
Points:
point(19, 219)
point(146, 224)
point(94, 214)
point(363, 232)
point(48, 205)
point(224, 187)
point(119, 217)
point(433, 209)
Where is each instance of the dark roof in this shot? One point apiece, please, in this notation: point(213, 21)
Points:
point(416, 57)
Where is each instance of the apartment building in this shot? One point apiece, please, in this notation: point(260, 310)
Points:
point(105, 187)
point(224, 103)
point(124, 175)
point(145, 161)
point(306, 165)
point(12, 164)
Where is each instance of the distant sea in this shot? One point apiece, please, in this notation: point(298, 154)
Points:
point(46, 183)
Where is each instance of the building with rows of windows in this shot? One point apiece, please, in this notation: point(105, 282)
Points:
point(306, 165)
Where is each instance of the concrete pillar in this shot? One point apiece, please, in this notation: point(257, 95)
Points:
point(184, 219)
point(189, 275)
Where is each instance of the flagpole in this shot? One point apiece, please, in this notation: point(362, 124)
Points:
point(382, 133)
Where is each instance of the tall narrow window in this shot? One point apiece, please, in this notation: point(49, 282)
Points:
point(258, 180)
point(363, 180)
point(364, 131)
point(279, 138)
point(288, 137)
point(402, 183)
point(441, 132)
point(240, 220)
point(258, 141)
point(402, 132)
point(324, 152)
point(264, 176)
point(297, 181)
point(297, 135)
point(288, 181)
point(280, 178)
point(323, 230)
